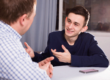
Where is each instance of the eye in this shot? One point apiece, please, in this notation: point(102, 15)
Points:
point(69, 21)
point(76, 24)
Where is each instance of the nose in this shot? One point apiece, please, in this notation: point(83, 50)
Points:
point(70, 26)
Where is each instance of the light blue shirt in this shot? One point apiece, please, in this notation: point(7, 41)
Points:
point(15, 63)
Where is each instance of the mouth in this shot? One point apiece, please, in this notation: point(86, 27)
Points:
point(69, 31)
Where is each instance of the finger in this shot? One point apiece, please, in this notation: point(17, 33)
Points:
point(41, 63)
point(46, 60)
point(49, 59)
point(53, 51)
point(51, 74)
point(64, 48)
point(51, 67)
point(48, 69)
point(51, 70)
point(26, 45)
point(57, 53)
point(47, 64)
point(27, 50)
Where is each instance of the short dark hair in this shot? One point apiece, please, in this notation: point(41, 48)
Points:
point(80, 11)
point(11, 10)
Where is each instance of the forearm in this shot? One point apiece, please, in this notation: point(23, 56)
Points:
point(89, 61)
point(39, 57)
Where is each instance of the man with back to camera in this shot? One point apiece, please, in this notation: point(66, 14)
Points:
point(73, 46)
point(16, 17)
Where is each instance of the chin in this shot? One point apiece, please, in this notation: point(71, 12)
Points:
point(69, 35)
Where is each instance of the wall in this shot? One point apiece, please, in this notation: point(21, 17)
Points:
point(103, 40)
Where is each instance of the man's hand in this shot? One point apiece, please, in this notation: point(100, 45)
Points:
point(62, 56)
point(29, 50)
point(46, 65)
point(41, 63)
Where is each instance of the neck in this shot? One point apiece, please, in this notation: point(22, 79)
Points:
point(71, 40)
point(16, 27)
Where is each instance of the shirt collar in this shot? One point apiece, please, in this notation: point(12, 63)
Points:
point(9, 29)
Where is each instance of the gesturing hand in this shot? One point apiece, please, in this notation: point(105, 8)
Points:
point(62, 56)
point(43, 62)
point(29, 50)
point(46, 65)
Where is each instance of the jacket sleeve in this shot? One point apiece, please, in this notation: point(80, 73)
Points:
point(45, 54)
point(39, 57)
point(95, 58)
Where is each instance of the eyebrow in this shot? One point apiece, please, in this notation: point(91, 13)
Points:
point(77, 23)
point(68, 18)
point(74, 22)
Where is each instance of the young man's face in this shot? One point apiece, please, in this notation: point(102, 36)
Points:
point(74, 25)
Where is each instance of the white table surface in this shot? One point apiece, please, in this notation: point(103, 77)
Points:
point(72, 73)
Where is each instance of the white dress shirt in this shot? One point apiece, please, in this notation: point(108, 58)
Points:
point(15, 63)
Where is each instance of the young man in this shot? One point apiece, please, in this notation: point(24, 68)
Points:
point(16, 16)
point(73, 46)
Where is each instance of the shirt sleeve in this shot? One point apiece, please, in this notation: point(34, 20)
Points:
point(16, 64)
point(95, 58)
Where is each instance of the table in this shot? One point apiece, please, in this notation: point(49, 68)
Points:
point(72, 73)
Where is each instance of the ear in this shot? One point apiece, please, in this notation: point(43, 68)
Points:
point(22, 19)
point(84, 28)
point(65, 19)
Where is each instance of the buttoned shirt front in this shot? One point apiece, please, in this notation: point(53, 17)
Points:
point(15, 63)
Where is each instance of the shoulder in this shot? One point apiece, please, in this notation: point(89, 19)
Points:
point(56, 34)
point(86, 35)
